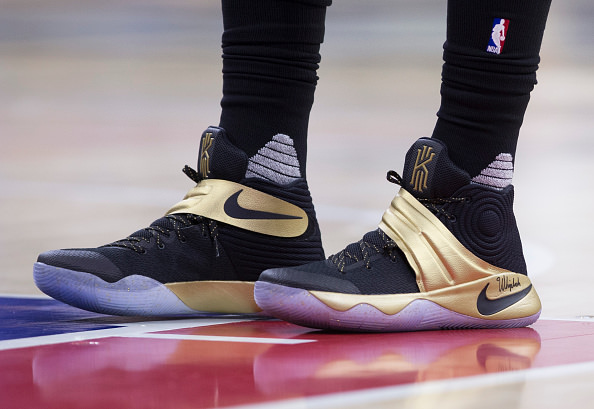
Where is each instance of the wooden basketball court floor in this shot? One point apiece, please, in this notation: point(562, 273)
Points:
point(101, 105)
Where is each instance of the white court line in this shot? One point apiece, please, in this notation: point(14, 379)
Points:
point(224, 339)
point(143, 330)
point(572, 319)
point(136, 329)
point(369, 397)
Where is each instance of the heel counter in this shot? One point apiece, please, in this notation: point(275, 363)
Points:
point(486, 225)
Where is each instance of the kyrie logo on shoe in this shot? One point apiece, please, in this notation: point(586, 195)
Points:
point(420, 171)
point(498, 35)
point(205, 145)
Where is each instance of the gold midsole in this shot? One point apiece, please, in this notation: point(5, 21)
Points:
point(226, 297)
point(461, 298)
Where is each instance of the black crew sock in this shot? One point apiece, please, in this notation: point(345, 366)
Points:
point(485, 89)
point(270, 58)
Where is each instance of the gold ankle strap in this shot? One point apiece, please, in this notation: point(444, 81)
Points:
point(437, 257)
point(243, 207)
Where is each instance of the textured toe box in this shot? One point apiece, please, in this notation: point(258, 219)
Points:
point(84, 260)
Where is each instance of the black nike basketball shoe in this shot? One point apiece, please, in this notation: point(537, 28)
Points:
point(447, 254)
point(243, 216)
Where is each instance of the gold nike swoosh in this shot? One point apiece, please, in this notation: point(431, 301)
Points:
point(209, 196)
point(487, 306)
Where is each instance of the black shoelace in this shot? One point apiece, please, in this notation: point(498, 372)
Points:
point(166, 226)
point(378, 242)
point(435, 205)
point(374, 242)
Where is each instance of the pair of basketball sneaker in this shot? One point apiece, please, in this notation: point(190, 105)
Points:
point(245, 240)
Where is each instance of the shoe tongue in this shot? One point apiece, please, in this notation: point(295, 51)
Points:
point(429, 173)
point(218, 158)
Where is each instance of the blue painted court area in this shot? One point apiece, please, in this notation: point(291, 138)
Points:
point(33, 317)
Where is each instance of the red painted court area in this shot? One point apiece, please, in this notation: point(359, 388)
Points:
point(67, 358)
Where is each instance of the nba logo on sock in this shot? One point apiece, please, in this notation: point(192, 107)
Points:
point(498, 34)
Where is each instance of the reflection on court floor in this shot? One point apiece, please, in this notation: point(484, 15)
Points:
point(56, 356)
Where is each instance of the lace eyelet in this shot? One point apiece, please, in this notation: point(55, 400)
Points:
point(161, 246)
